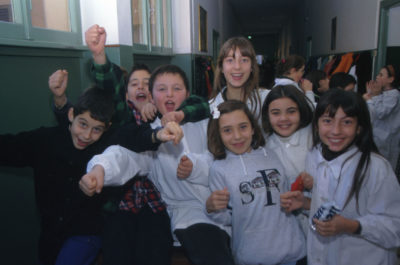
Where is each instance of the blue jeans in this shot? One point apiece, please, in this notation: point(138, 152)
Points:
point(79, 250)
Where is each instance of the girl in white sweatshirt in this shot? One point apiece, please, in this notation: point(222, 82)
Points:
point(262, 233)
point(355, 205)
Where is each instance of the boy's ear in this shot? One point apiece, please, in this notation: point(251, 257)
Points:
point(71, 114)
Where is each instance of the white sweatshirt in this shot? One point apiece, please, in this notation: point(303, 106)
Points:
point(262, 233)
point(185, 198)
point(257, 112)
point(378, 212)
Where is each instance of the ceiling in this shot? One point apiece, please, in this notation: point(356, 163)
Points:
point(263, 17)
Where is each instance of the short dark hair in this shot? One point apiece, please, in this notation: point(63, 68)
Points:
point(99, 103)
point(341, 80)
point(314, 77)
point(168, 69)
point(287, 91)
point(136, 67)
point(214, 140)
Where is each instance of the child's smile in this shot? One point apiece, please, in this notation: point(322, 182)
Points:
point(337, 132)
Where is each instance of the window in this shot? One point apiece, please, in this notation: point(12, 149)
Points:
point(40, 22)
point(151, 20)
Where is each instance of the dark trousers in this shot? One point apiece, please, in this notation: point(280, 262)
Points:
point(143, 238)
point(206, 244)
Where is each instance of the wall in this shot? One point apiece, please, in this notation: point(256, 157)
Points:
point(357, 25)
point(393, 32)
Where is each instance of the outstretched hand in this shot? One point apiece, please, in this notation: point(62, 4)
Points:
point(171, 132)
point(93, 181)
point(176, 116)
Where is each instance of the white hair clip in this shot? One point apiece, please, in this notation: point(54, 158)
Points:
point(216, 113)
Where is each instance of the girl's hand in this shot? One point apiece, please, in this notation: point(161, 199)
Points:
point(374, 88)
point(337, 225)
point(293, 200)
point(176, 116)
point(148, 112)
point(308, 180)
point(218, 200)
point(93, 181)
point(185, 168)
point(306, 85)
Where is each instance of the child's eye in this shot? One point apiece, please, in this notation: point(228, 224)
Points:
point(178, 88)
point(274, 113)
point(97, 130)
point(245, 60)
point(228, 60)
point(326, 120)
point(161, 88)
point(348, 122)
point(82, 124)
point(134, 84)
point(226, 130)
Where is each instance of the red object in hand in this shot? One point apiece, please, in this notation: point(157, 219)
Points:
point(298, 184)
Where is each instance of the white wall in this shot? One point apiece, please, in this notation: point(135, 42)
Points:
point(113, 15)
point(181, 26)
point(356, 29)
point(393, 30)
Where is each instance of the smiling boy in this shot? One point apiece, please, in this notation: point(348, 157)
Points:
point(70, 222)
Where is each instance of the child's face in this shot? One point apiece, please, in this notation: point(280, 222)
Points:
point(236, 131)
point(169, 92)
point(236, 69)
point(383, 77)
point(84, 129)
point(337, 132)
point(138, 88)
point(296, 75)
point(284, 116)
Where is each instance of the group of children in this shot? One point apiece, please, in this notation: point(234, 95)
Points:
point(267, 178)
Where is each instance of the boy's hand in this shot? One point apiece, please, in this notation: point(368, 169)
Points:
point(337, 225)
point(148, 112)
point(171, 132)
point(218, 200)
point(93, 181)
point(185, 168)
point(292, 200)
point(308, 180)
point(58, 85)
point(95, 38)
point(176, 116)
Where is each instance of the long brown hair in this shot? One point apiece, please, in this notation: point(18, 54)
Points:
point(250, 87)
point(214, 140)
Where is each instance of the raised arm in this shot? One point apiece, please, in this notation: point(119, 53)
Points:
point(58, 82)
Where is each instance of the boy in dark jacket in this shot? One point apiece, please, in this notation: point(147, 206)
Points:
point(70, 221)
